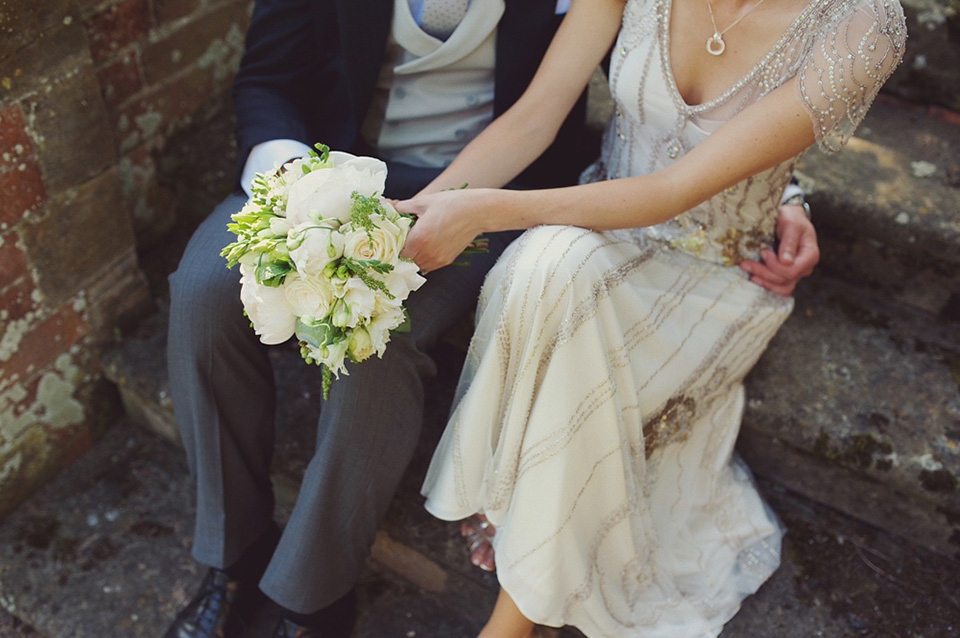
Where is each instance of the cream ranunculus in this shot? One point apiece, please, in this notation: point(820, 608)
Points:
point(357, 303)
point(359, 300)
point(361, 347)
point(309, 296)
point(382, 243)
point(311, 249)
point(403, 279)
point(267, 308)
point(381, 325)
point(333, 355)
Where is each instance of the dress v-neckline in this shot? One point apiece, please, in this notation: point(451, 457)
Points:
point(667, 62)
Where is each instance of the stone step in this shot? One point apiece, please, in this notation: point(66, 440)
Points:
point(856, 404)
point(103, 551)
point(885, 207)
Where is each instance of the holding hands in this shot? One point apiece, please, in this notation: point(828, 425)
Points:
point(447, 222)
point(450, 220)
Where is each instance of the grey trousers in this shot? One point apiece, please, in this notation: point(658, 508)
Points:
point(224, 399)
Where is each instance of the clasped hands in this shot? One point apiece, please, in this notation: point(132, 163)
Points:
point(448, 215)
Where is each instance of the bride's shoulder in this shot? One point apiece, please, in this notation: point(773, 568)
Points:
point(853, 48)
point(869, 18)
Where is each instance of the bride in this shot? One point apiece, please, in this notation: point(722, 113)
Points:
point(602, 393)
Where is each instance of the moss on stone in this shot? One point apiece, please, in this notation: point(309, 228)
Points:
point(860, 452)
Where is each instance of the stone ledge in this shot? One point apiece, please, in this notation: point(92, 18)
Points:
point(854, 382)
point(885, 206)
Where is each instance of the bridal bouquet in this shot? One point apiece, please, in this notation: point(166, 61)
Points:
point(319, 254)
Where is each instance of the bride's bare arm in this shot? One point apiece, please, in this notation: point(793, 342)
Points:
point(764, 134)
point(518, 137)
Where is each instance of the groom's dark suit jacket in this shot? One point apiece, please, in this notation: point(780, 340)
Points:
point(310, 68)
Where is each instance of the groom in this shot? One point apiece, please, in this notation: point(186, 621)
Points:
point(410, 81)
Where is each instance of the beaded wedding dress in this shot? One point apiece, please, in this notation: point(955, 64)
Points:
point(602, 393)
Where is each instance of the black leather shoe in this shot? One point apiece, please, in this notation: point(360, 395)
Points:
point(333, 621)
point(286, 628)
point(208, 614)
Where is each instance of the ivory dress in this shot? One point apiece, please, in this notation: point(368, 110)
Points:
point(602, 393)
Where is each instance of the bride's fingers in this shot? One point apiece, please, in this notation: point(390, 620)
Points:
point(413, 206)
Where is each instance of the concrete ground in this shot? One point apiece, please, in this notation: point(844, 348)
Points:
point(104, 552)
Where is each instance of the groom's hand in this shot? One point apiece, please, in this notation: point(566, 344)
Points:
point(795, 258)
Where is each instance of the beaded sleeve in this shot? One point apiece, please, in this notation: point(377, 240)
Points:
point(855, 53)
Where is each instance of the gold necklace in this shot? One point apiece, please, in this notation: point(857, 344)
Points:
point(715, 43)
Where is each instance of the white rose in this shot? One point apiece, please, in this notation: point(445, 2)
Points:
point(384, 304)
point(383, 242)
point(370, 165)
point(326, 193)
point(306, 195)
point(273, 320)
point(308, 296)
point(311, 249)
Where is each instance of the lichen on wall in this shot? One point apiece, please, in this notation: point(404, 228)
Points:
point(223, 55)
point(54, 405)
point(13, 334)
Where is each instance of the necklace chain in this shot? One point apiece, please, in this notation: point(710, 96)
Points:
point(715, 43)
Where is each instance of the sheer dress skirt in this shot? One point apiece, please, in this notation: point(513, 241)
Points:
point(594, 425)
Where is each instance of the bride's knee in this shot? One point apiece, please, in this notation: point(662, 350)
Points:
point(557, 254)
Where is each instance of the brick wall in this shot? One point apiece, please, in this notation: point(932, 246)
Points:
point(90, 93)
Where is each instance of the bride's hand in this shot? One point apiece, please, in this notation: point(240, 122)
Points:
point(446, 224)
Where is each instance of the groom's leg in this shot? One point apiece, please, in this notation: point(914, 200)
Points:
point(221, 381)
point(367, 434)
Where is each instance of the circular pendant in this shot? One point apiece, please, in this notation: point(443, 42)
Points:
point(715, 44)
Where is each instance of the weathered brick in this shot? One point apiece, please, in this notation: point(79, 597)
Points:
point(42, 60)
point(13, 262)
point(136, 169)
point(83, 231)
point(14, 142)
point(89, 7)
point(121, 79)
point(168, 10)
point(153, 206)
point(23, 191)
point(76, 134)
point(158, 110)
point(214, 41)
point(18, 300)
point(29, 346)
point(25, 21)
point(117, 26)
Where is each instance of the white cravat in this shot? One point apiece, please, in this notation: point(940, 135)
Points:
point(441, 17)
